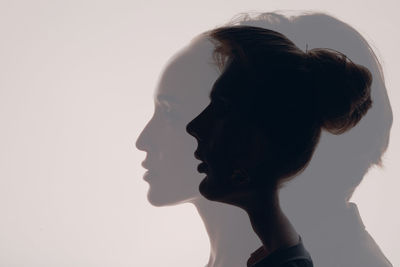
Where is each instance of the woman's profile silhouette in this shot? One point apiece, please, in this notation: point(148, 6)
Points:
point(264, 121)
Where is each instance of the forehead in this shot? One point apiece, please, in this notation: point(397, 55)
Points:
point(230, 83)
point(188, 78)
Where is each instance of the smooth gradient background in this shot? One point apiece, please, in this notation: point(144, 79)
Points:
point(76, 86)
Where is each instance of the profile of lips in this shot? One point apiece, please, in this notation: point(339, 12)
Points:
point(150, 174)
point(202, 167)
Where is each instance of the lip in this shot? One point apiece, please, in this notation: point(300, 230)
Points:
point(202, 167)
point(197, 155)
point(146, 176)
point(145, 165)
point(150, 176)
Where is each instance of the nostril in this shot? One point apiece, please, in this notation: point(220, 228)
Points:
point(189, 130)
point(143, 141)
point(139, 145)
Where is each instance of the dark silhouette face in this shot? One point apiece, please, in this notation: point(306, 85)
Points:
point(229, 142)
point(180, 96)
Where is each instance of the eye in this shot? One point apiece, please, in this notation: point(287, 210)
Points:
point(170, 114)
point(221, 107)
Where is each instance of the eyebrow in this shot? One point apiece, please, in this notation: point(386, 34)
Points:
point(166, 98)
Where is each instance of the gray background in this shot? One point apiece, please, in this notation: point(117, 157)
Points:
point(76, 87)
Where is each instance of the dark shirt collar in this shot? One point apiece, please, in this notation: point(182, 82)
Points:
point(284, 255)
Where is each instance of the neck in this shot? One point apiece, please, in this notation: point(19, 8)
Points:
point(231, 238)
point(270, 224)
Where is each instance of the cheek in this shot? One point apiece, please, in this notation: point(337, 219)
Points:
point(226, 153)
point(173, 146)
point(242, 145)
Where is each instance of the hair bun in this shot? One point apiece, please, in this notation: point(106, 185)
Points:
point(342, 89)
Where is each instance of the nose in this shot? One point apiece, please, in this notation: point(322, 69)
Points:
point(197, 127)
point(139, 142)
point(191, 129)
point(143, 140)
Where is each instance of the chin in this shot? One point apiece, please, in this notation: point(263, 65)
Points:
point(222, 193)
point(210, 190)
point(163, 199)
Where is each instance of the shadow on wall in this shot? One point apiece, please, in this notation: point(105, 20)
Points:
point(317, 200)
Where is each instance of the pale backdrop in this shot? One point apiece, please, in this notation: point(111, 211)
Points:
point(76, 87)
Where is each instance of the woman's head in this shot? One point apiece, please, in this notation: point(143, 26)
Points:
point(268, 108)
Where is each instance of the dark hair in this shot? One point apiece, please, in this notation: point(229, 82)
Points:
point(290, 94)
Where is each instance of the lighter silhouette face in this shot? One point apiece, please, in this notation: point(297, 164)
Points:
point(181, 94)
